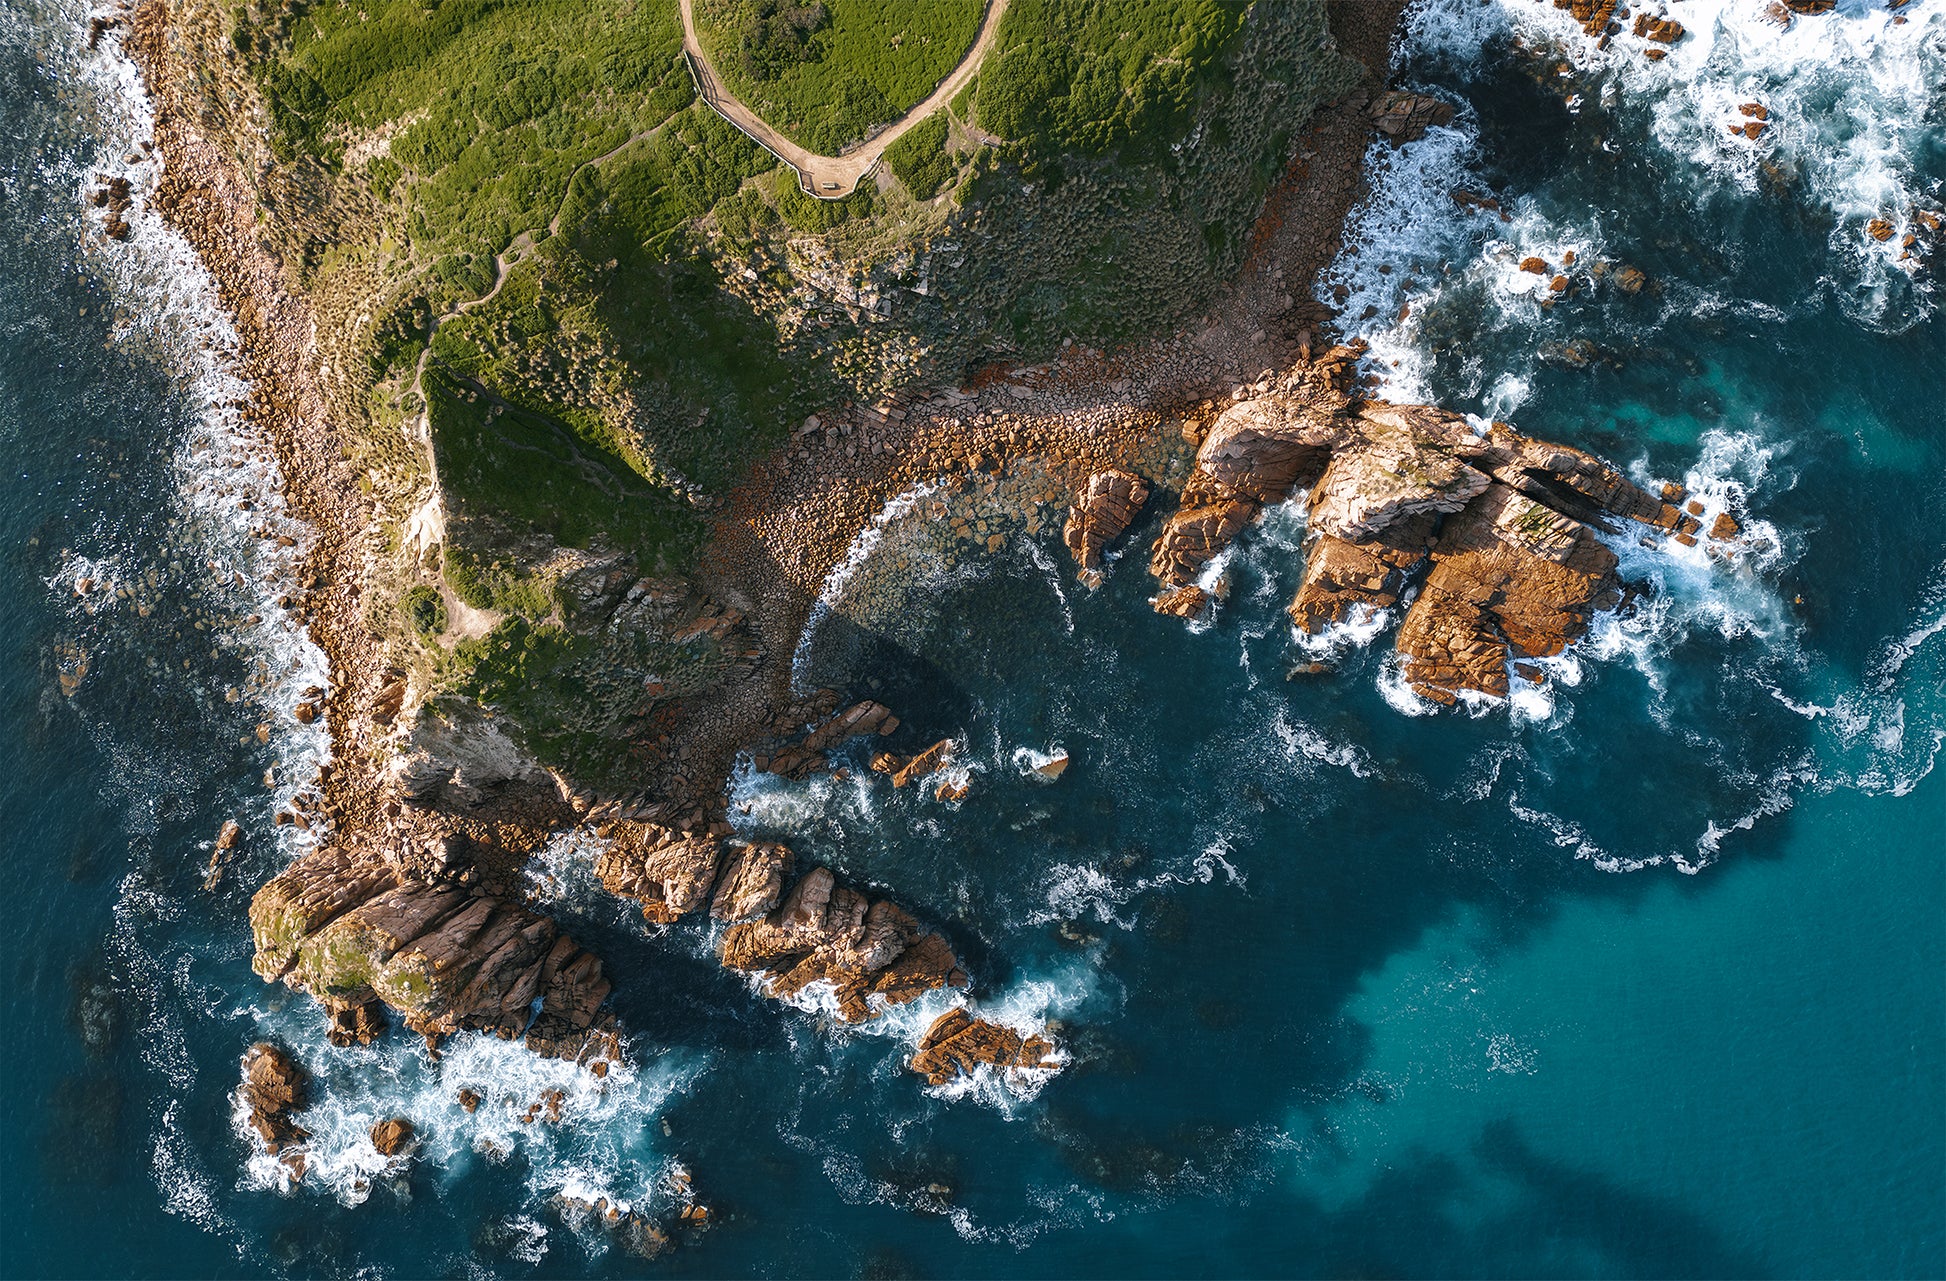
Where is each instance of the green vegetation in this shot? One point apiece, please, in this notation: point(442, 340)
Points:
point(920, 159)
point(825, 73)
point(424, 611)
point(620, 302)
point(1105, 76)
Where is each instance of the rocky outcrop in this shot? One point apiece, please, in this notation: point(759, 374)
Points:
point(1256, 452)
point(275, 1089)
point(1102, 514)
point(957, 1043)
point(671, 873)
point(925, 764)
point(825, 932)
point(752, 882)
point(392, 1136)
point(800, 758)
point(454, 757)
point(1506, 529)
point(1405, 117)
point(353, 933)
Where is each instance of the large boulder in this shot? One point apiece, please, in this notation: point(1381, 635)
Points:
point(1104, 511)
point(1404, 117)
point(348, 930)
point(275, 1089)
point(827, 932)
point(957, 1044)
point(670, 873)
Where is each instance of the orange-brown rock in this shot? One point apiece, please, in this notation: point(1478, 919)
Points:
point(825, 932)
point(391, 1137)
point(1725, 527)
point(1505, 526)
point(1104, 511)
point(1256, 452)
point(351, 932)
point(1189, 601)
point(1879, 229)
point(1593, 15)
point(1405, 117)
point(1510, 577)
point(1660, 30)
point(923, 765)
point(670, 873)
point(1536, 265)
point(1339, 575)
point(800, 758)
point(752, 882)
point(957, 1043)
point(275, 1088)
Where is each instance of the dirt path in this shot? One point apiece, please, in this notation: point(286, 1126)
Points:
point(831, 177)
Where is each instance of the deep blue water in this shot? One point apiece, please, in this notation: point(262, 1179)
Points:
point(1645, 977)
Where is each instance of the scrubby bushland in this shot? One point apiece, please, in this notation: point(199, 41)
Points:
point(825, 73)
point(602, 303)
point(920, 159)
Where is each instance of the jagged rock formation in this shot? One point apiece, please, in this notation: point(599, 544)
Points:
point(800, 758)
point(830, 933)
point(1101, 515)
point(355, 934)
point(819, 931)
point(957, 1043)
point(1404, 117)
point(672, 873)
point(392, 1136)
point(275, 1088)
point(1507, 524)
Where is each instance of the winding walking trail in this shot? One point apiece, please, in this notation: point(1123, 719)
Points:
point(831, 177)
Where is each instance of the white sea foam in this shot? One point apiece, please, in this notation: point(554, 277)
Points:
point(1847, 95)
point(600, 1145)
point(898, 508)
point(1084, 891)
point(1301, 740)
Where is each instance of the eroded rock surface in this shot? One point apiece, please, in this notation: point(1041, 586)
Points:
point(1504, 528)
point(800, 758)
point(275, 1088)
point(1405, 117)
point(827, 932)
point(1102, 514)
point(351, 932)
point(957, 1043)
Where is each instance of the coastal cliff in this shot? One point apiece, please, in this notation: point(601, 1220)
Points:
point(659, 681)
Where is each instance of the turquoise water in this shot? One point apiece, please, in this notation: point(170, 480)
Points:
point(1644, 977)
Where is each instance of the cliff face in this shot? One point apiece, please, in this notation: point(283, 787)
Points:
point(1501, 531)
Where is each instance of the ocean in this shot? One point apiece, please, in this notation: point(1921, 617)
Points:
point(1641, 974)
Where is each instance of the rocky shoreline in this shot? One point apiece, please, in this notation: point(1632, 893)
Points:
point(408, 904)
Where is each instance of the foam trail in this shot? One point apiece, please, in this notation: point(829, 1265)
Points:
point(832, 590)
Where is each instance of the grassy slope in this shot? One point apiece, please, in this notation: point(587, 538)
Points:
point(867, 63)
point(638, 359)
